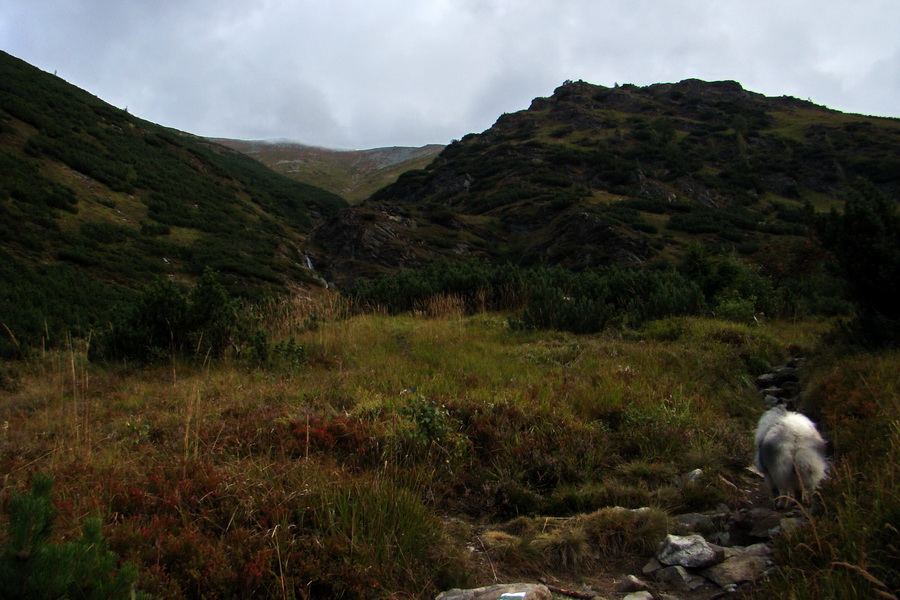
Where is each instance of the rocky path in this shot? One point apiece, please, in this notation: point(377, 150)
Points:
point(708, 556)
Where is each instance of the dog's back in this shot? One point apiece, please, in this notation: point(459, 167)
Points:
point(790, 454)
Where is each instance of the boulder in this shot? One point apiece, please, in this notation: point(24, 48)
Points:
point(737, 569)
point(687, 551)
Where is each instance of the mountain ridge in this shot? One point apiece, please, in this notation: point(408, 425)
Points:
point(352, 174)
point(593, 176)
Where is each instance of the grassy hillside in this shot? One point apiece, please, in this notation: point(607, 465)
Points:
point(368, 452)
point(352, 174)
point(95, 202)
point(593, 176)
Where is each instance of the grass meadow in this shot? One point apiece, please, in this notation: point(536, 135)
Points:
point(376, 456)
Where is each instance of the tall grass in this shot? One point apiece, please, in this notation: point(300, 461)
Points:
point(363, 463)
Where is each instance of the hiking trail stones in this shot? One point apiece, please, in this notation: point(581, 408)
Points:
point(708, 555)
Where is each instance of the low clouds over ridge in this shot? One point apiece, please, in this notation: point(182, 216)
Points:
point(357, 74)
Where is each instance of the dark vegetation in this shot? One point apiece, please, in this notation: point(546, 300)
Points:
point(590, 301)
point(165, 321)
point(31, 566)
point(866, 241)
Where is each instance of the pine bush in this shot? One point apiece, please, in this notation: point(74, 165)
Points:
point(31, 567)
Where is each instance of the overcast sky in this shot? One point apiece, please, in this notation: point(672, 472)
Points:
point(371, 73)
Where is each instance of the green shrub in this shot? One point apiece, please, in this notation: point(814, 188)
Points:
point(589, 302)
point(583, 302)
point(733, 307)
point(165, 320)
point(285, 354)
point(431, 419)
point(33, 567)
point(866, 241)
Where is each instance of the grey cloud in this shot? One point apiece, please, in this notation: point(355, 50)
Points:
point(354, 73)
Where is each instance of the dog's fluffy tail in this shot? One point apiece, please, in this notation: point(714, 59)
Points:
point(811, 467)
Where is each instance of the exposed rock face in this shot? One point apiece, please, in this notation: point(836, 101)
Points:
point(358, 243)
point(586, 240)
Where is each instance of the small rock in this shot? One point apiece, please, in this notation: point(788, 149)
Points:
point(788, 524)
point(763, 520)
point(691, 477)
point(652, 567)
point(631, 584)
point(639, 596)
point(786, 372)
point(776, 377)
point(678, 577)
point(517, 591)
point(722, 538)
point(737, 569)
point(694, 523)
point(759, 549)
point(759, 513)
point(767, 380)
point(687, 551)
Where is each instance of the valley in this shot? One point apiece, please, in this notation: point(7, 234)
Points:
point(237, 369)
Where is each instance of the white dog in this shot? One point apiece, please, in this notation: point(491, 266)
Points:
point(790, 454)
